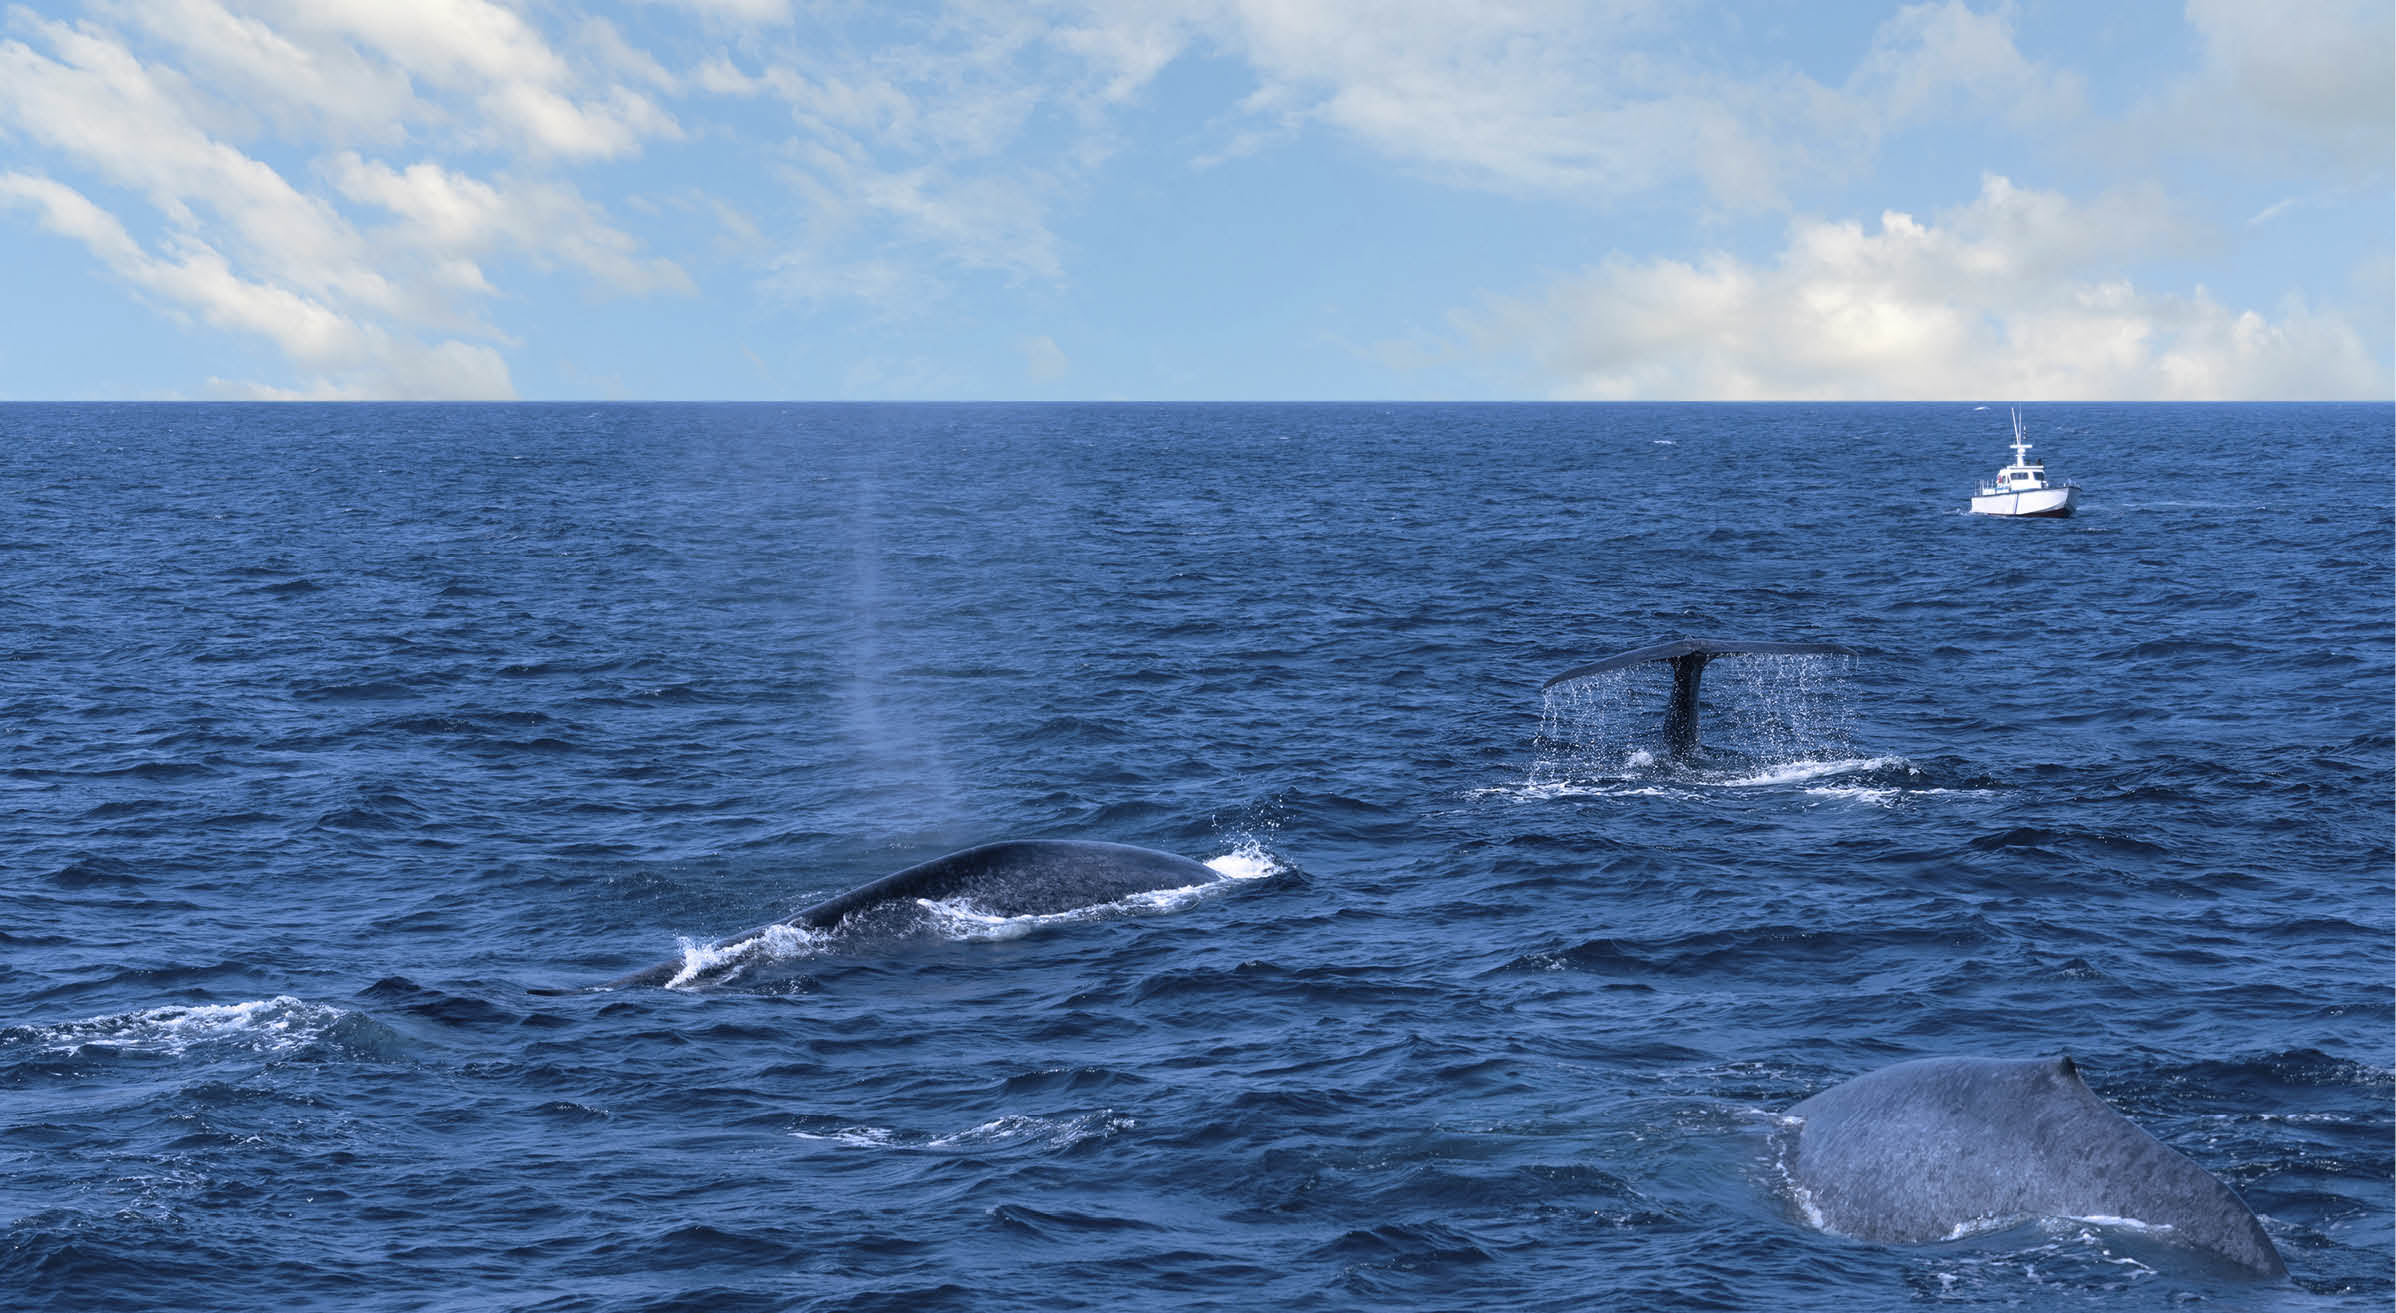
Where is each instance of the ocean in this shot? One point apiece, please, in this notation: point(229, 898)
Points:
point(349, 748)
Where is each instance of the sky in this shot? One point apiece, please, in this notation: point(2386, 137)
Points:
point(1197, 200)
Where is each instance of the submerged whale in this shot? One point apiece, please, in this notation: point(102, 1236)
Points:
point(1921, 1150)
point(1018, 877)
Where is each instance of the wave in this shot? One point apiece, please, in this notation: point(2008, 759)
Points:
point(1879, 779)
point(1799, 771)
point(274, 1026)
point(1011, 1130)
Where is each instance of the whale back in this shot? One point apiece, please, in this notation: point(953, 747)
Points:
point(1016, 877)
point(1019, 877)
point(1916, 1152)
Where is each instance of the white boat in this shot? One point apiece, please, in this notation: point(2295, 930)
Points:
point(2022, 488)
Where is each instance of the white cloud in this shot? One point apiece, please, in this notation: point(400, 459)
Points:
point(942, 153)
point(342, 177)
point(245, 250)
point(1599, 101)
point(607, 44)
point(893, 288)
point(1126, 45)
point(552, 224)
point(455, 42)
point(952, 147)
point(1533, 96)
point(302, 86)
point(1567, 98)
point(444, 208)
point(67, 212)
point(1043, 360)
point(1947, 57)
point(764, 13)
point(366, 70)
point(99, 105)
point(198, 279)
point(442, 371)
point(2300, 85)
point(456, 216)
point(2317, 66)
point(2010, 296)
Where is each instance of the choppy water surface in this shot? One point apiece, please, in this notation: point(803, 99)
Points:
point(334, 733)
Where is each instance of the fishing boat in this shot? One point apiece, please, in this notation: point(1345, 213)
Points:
point(2022, 487)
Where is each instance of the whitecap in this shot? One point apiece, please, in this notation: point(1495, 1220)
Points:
point(1880, 795)
point(1053, 1132)
point(964, 919)
point(1982, 1225)
point(1547, 790)
point(271, 1025)
point(716, 964)
point(1797, 772)
point(861, 1137)
point(1005, 1131)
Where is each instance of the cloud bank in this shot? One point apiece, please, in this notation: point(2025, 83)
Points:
point(2009, 296)
point(150, 101)
point(368, 188)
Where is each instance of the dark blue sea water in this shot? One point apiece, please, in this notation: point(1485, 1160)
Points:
point(334, 733)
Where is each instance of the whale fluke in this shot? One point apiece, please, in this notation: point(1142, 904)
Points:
point(1923, 1150)
point(1689, 657)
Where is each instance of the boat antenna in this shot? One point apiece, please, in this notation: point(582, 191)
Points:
point(2021, 448)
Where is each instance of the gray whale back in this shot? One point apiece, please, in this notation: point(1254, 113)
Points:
point(1016, 877)
point(1910, 1153)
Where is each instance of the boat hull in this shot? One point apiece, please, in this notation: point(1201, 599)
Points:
point(2042, 503)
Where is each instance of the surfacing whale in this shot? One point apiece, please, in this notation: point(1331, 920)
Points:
point(1689, 657)
point(1017, 877)
point(1920, 1151)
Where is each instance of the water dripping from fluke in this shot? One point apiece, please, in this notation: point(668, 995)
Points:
point(1635, 716)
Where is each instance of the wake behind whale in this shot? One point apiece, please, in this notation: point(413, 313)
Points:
point(995, 882)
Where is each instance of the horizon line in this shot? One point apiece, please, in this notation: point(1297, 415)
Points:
point(1217, 401)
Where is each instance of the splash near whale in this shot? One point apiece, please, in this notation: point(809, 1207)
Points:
point(1019, 877)
point(1929, 1150)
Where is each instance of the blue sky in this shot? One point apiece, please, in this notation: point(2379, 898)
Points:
point(1196, 199)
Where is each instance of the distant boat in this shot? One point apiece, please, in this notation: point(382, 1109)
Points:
point(2022, 488)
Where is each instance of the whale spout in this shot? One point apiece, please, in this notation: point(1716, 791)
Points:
point(1689, 657)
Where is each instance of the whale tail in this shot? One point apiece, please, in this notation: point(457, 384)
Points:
point(1689, 657)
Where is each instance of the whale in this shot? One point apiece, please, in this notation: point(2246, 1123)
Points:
point(1689, 658)
point(1927, 1150)
point(1016, 877)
